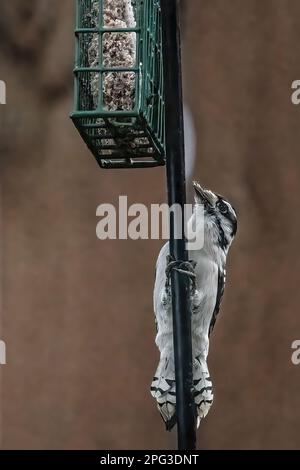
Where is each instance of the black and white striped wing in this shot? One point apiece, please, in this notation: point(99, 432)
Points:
point(220, 292)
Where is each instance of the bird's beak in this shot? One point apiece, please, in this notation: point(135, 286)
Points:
point(203, 195)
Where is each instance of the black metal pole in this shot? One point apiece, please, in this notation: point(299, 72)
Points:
point(185, 406)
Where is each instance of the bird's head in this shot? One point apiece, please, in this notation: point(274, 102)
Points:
point(220, 220)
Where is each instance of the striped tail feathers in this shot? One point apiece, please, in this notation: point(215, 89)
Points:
point(203, 390)
point(164, 392)
point(163, 389)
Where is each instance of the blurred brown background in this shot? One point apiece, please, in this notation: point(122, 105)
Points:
point(77, 313)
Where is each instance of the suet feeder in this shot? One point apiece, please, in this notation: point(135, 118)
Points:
point(119, 107)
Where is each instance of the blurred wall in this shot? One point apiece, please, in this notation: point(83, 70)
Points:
point(76, 312)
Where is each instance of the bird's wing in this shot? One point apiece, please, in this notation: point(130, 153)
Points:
point(220, 292)
point(160, 278)
point(163, 384)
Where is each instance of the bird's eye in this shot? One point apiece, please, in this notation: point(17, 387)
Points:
point(223, 208)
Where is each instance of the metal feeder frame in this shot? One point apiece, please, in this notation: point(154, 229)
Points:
point(121, 138)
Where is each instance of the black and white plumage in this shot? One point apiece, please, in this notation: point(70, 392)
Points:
point(220, 226)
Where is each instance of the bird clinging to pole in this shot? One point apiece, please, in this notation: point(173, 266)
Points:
point(207, 267)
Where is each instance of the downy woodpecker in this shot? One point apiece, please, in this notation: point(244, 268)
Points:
point(208, 263)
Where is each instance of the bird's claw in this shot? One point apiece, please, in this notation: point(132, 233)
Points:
point(183, 267)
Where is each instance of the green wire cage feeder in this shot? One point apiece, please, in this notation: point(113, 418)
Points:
point(119, 107)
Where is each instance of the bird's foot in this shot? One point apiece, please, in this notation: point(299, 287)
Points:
point(183, 267)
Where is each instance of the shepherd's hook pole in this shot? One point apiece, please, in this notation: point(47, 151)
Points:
point(180, 284)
